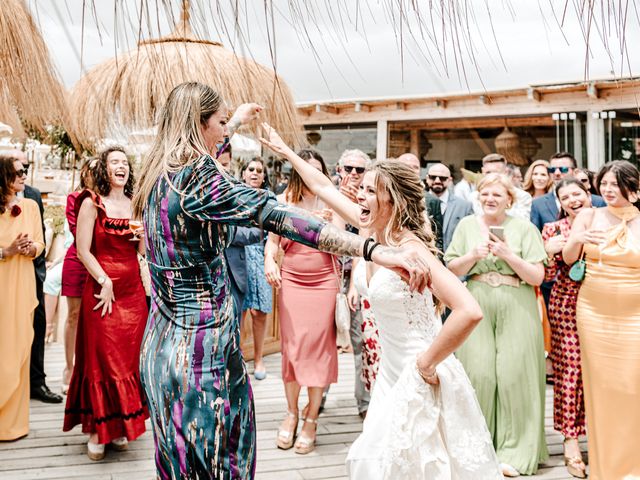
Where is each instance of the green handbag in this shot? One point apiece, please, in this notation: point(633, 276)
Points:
point(578, 269)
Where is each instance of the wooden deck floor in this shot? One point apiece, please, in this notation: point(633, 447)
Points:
point(48, 453)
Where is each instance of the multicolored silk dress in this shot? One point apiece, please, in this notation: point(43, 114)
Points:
point(192, 368)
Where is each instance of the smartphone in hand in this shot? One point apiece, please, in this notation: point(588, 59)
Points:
point(498, 232)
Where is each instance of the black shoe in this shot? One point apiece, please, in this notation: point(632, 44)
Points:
point(45, 395)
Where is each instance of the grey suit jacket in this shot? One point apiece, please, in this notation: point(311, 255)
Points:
point(39, 262)
point(457, 209)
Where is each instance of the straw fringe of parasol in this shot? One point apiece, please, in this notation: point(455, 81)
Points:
point(30, 93)
point(124, 94)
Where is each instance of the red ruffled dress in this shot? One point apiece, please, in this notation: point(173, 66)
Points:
point(105, 394)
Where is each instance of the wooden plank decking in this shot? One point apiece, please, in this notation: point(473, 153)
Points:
point(48, 453)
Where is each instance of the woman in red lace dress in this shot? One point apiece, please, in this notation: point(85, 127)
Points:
point(105, 394)
point(568, 400)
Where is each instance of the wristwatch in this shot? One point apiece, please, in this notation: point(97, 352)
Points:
point(102, 279)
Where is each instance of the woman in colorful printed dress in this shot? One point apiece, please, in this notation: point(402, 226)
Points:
point(105, 394)
point(568, 400)
point(259, 297)
point(192, 368)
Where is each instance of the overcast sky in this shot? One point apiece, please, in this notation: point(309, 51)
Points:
point(358, 54)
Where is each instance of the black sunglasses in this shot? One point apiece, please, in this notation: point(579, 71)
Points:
point(584, 180)
point(562, 169)
point(254, 169)
point(349, 168)
point(22, 172)
point(433, 178)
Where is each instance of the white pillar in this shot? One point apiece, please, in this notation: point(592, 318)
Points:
point(382, 140)
point(577, 141)
point(595, 141)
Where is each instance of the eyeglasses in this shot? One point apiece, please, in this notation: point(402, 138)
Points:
point(22, 172)
point(562, 169)
point(254, 169)
point(433, 178)
point(350, 168)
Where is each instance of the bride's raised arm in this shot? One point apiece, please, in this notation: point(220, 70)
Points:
point(313, 179)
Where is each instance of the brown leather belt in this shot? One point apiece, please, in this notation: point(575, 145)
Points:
point(495, 279)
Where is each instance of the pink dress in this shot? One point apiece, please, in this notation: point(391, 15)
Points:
point(306, 304)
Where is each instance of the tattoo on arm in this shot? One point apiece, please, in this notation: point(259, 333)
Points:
point(339, 242)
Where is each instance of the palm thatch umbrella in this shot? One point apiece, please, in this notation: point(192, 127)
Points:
point(30, 92)
point(125, 93)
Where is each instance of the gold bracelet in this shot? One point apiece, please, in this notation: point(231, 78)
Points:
point(425, 377)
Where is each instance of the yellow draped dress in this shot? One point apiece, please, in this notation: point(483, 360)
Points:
point(608, 316)
point(17, 303)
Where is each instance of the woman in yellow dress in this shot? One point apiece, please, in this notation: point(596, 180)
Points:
point(20, 242)
point(608, 317)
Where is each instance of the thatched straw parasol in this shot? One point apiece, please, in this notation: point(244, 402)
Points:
point(125, 93)
point(30, 93)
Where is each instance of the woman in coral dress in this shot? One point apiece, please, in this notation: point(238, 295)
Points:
point(20, 242)
point(308, 282)
point(609, 322)
point(105, 394)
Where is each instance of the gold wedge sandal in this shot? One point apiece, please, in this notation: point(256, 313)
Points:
point(285, 438)
point(305, 444)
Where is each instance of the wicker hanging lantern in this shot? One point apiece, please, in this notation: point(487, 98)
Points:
point(124, 94)
point(507, 143)
point(30, 92)
point(529, 145)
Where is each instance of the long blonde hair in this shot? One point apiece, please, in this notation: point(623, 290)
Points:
point(179, 140)
point(408, 208)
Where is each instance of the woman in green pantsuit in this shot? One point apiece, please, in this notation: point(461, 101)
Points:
point(504, 356)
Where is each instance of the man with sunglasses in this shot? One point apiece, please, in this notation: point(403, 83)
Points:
point(453, 208)
point(545, 209)
point(39, 389)
point(351, 167)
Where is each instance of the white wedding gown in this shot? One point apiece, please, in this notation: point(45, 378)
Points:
point(413, 430)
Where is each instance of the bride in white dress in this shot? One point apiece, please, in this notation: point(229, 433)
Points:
point(424, 421)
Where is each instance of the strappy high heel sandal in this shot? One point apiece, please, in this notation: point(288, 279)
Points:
point(285, 438)
point(575, 465)
point(305, 444)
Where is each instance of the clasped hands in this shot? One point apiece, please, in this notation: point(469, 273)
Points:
point(495, 246)
point(22, 245)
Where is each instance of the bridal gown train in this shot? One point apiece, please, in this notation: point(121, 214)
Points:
point(414, 430)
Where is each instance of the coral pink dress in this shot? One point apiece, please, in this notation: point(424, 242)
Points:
point(306, 304)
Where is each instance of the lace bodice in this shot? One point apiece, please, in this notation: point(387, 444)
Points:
point(400, 314)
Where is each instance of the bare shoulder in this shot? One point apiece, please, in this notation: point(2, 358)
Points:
point(88, 206)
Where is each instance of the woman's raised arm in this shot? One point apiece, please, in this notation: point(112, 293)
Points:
point(315, 180)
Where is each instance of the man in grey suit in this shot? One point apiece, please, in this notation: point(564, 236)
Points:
point(453, 208)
